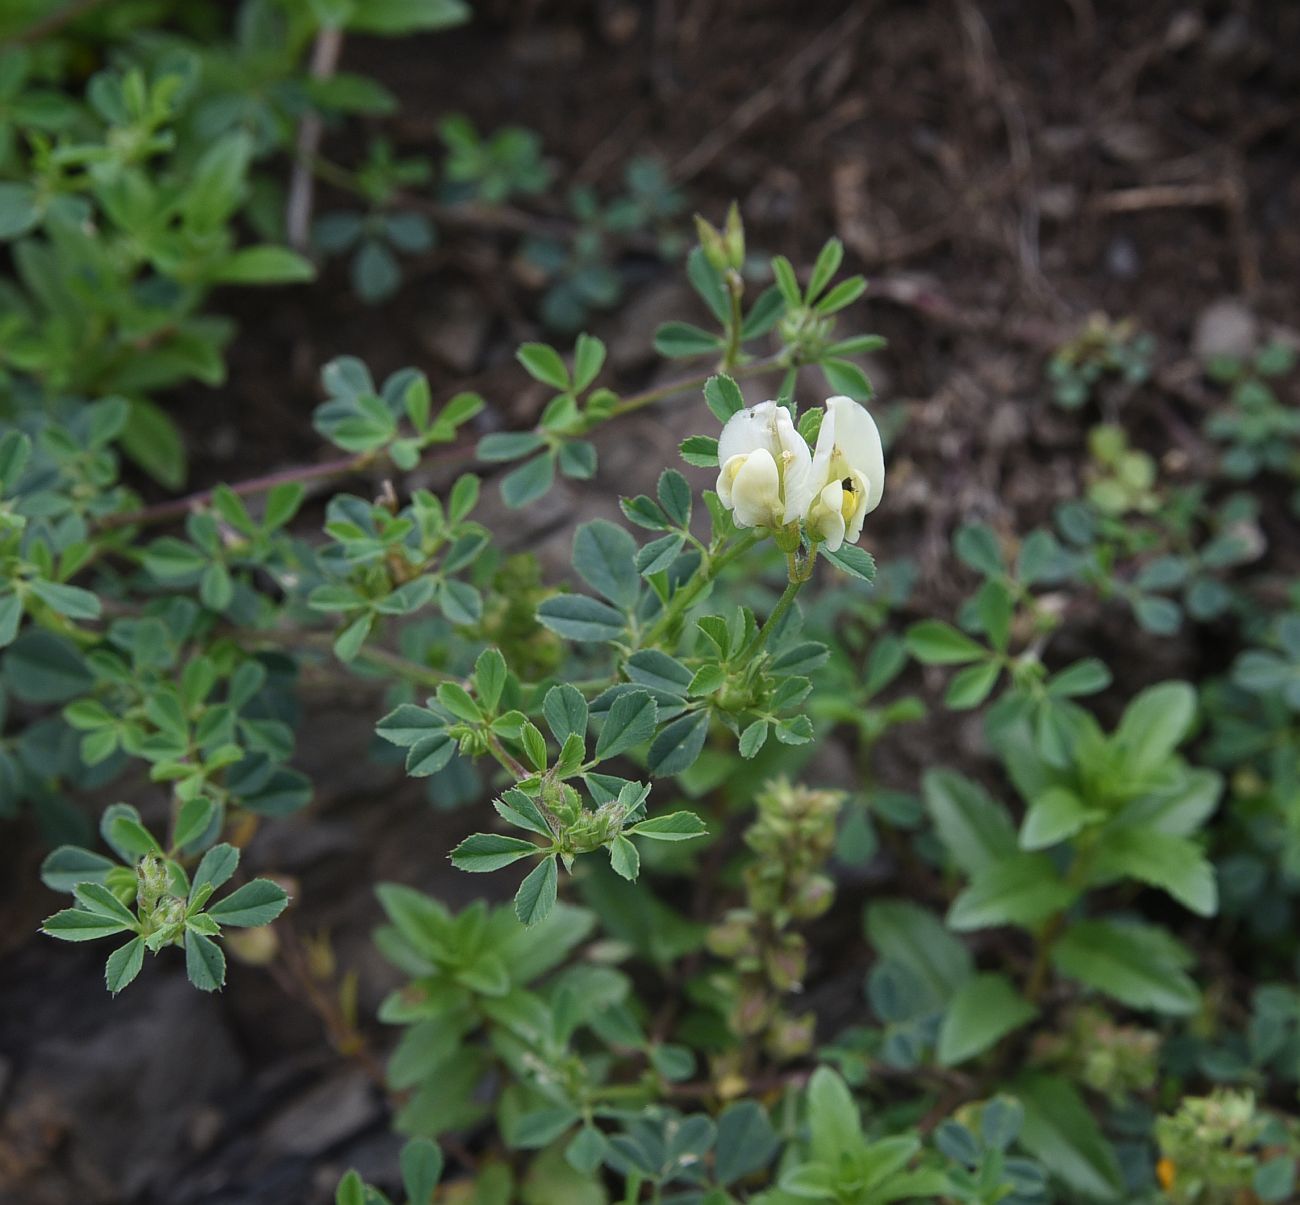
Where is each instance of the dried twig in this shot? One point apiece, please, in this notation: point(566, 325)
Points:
point(324, 62)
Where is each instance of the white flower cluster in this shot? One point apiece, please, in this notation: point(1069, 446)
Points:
point(770, 478)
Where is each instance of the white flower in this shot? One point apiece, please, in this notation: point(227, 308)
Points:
point(848, 474)
point(765, 464)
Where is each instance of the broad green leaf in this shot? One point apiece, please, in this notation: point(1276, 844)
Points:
point(604, 556)
point(1172, 863)
point(255, 903)
point(537, 893)
point(205, 964)
point(1060, 1132)
point(975, 830)
point(984, 1010)
point(678, 826)
point(678, 745)
point(1022, 889)
point(630, 722)
point(124, 965)
point(483, 852)
point(1138, 965)
point(912, 936)
point(937, 643)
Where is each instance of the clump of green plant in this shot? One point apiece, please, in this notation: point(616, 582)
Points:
point(1103, 350)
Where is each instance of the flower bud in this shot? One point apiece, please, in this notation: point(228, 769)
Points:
point(732, 938)
point(787, 963)
point(752, 1012)
point(812, 897)
point(791, 1037)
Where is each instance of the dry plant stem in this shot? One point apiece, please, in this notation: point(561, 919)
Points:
point(324, 61)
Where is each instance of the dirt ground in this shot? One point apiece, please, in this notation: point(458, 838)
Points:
point(999, 170)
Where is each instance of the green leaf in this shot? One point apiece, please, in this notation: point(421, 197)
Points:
point(389, 17)
point(659, 554)
point(913, 937)
point(69, 865)
point(421, 1164)
point(508, 445)
point(537, 893)
point(264, 265)
point(517, 808)
point(746, 1142)
point(700, 451)
point(219, 863)
point(834, 1127)
point(843, 376)
point(192, 820)
point(679, 826)
point(1153, 726)
point(723, 397)
point(1055, 815)
point(490, 675)
point(977, 546)
point(18, 209)
point(1174, 864)
point(577, 617)
point(40, 667)
point(530, 481)
point(679, 340)
point(154, 442)
point(1060, 1132)
point(408, 724)
point(604, 556)
point(97, 898)
point(624, 858)
point(1023, 889)
point(255, 903)
point(11, 615)
point(483, 852)
point(565, 710)
point(205, 964)
point(674, 493)
point(854, 561)
point(1138, 965)
point(430, 754)
point(984, 1010)
point(76, 924)
point(543, 363)
point(828, 263)
point(971, 686)
point(630, 722)
point(937, 643)
point(124, 965)
point(588, 358)
point(975, 830)
point(678, 745)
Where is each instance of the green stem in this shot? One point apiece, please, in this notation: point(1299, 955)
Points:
point(736, 290)
point(688, 594)
point(636, 401)
point(783, 604)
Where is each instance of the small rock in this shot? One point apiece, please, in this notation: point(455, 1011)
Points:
point(1225, 328)
point(1122, 259)
point(324, 1115)
point(456, 330)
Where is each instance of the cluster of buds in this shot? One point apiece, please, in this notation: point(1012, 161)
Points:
point(770, 477)
point(1114, 1060)
point(1212, 1147)
point(792, 838)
